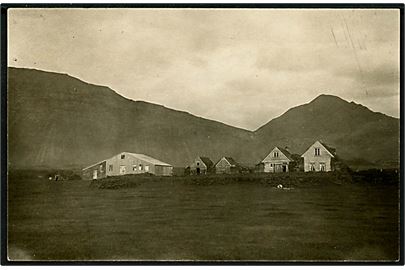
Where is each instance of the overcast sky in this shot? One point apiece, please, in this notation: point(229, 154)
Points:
point(241, 67)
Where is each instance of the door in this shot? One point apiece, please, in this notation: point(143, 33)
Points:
point(198, 170)
point(95, 174)
point(122, 169)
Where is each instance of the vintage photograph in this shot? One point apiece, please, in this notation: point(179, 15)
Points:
point(192, 134)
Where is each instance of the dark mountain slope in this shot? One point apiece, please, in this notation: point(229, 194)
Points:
point(57, 121)
point(353, 129)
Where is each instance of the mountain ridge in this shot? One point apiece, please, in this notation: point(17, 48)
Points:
point(123, 97)
point(47, 110)
point(355, 130)
point(323, 96)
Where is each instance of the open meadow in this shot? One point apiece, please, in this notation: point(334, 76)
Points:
point(202, 218)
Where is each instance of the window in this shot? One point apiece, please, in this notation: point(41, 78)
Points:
point(322, 167)
point(312, 167)
point(198, 163)
point(122, 156)
point(140, 167)
point(134, 168)
point(271, 164)
point(317, 151)
point(275, 154)
point(101, 168)
point(110, 168)
point(146, 168)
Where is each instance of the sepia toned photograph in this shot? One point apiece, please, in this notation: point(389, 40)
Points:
point(203, 134)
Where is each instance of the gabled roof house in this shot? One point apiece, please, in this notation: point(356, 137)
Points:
point(319, 157)
point(201, 165)
point(278, 160)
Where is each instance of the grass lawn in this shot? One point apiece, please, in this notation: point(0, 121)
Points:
point(171, 219)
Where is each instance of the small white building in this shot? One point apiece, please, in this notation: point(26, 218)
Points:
point(319, 157)
point(227, 165)
point(277, 160)
point(201, 165)
point(127, 163)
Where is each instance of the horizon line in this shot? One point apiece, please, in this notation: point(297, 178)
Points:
point(195, 115)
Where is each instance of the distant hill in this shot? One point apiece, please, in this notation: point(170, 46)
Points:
point(360, 136)
point(58, 121)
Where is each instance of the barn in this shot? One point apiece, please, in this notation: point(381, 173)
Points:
point(319, 157)
point(127, 163)
point(201, 165)
point(227, 165)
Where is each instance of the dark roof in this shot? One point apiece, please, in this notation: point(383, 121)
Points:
point(292, 157)
point(296, 157)
point(232, 161)
point(330, 149)
point(208, 162)
point(285, 152)
point(259, 164)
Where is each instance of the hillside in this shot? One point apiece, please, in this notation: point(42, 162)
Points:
point(360, 135)
point(58, 121)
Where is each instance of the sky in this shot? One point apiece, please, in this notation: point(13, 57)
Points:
point(242, 67)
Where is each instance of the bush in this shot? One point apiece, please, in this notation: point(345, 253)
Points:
point(377, 176)
point(288, 180)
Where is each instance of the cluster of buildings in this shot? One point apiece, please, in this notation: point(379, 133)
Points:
point(318, 157)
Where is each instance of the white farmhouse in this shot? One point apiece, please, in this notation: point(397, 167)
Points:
point(319, 157)
point(278, 160)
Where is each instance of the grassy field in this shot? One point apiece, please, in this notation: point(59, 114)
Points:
point(202, 218)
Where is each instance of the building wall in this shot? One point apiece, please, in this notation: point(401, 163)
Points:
point(275, 163)
point(197, 163)
point(163, 170)
point(132, 165)
point(128, 165)
point(222, 167)
point(276, 166)
point(311, 158)
point(100, 169)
